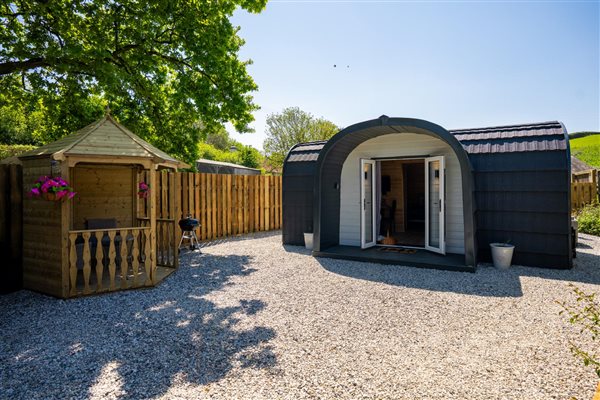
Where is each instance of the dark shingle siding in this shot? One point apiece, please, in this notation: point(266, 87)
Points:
point(545, 136)
point(521, 129)
point(524, 198)
point(515, 147)
point(306, 152)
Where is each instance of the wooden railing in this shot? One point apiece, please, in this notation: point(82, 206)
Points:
point(166, 232)
point(120, 259)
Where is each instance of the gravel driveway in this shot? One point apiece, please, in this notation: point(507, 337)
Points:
point(252, 319)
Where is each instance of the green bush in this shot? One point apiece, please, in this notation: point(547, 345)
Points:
point(584, 312)
point(589, 219)
point(9, 150)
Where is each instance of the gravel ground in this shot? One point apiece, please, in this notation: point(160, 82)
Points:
point(252, 319)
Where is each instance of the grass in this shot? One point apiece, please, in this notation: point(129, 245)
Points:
point(589, 219)
point(587, 149)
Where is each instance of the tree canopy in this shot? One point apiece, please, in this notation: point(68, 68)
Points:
point(292, 126)
point(219, 146)
point(167, 68)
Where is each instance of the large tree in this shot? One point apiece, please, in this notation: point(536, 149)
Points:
point(165, 67)
point(292, 126)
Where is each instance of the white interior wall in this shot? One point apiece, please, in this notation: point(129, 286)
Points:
point(401, 145)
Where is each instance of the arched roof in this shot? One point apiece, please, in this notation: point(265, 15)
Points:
point(333, 154)
point(540, 136)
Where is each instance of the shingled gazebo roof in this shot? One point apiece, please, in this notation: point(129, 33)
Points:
point(104, 138)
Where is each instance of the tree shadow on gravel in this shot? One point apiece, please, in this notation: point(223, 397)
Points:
point(487, 281)
point(135, 344)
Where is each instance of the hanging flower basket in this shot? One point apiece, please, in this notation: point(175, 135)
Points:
point(52, 188)
point(143, 190)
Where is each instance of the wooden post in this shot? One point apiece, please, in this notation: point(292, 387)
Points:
point(220, 208)
point(229, 206)
point(223, 193)
point(87, 268)
point(246, 206)
point(257, 223)
point(267, 205)
point(164, 187)
point(185, 209)
point(595, 187)
point(152, 229)
point(177, 207)
point(73, 265)
point(214, 204)
point(203, 206)
point(197, 200)
point(251, 203)
point(209, 207)
point(173, 208)
point(112, 259)
point(65, 224)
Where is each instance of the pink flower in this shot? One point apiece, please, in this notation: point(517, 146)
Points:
point(143, 186)
point(56, 184)
point(46, 186)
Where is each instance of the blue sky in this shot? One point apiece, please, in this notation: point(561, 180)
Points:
point(457, 64)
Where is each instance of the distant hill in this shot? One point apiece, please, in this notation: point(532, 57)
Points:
point(586, 147)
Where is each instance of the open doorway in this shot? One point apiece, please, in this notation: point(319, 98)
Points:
point(402, 203)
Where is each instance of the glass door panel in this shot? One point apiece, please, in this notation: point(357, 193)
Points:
point(367, 217)
point(434, 204)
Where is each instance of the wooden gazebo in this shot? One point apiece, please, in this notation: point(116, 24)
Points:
point(105, 238)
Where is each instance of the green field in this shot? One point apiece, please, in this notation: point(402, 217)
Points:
point(587, 149)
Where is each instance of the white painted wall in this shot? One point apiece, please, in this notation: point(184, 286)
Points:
point(401, 145)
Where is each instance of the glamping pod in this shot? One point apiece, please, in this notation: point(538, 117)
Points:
point(407, 191)
point(105, 237)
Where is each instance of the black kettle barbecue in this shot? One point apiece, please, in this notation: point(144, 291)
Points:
point(188, 225)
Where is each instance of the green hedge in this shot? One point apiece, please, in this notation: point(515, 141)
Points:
point(589, 219)
point(9, 150)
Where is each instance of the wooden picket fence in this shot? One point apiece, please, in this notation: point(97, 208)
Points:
point(229, 205)
point(583, 193)
point(225, 205)
point(590, 175)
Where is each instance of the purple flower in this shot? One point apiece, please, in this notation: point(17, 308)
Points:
point(56, 184)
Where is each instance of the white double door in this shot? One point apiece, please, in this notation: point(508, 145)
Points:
point(434, 203)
